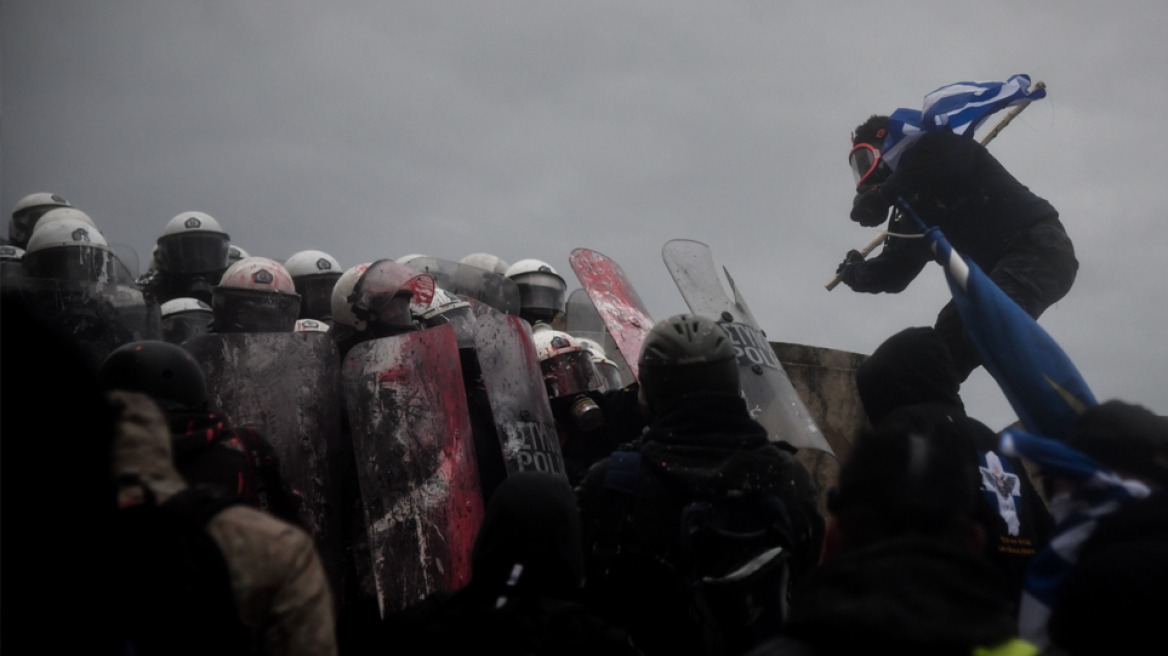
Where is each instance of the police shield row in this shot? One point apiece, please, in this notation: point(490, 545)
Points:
point(421, 379)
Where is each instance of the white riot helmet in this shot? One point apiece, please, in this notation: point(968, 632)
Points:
point(608, 369)
point(9, 253)
point(491, 263)
point(58, 213)
point(193, 243)
point(541, 290)
point(568, 375)
point(452, 310)
point(378, 300)
point(315, 273)
point(310, 326)
point(235, 254)
point(26, 212)
point(184, 318)
point(255, 295)
point(69, 249)
point(10, 262)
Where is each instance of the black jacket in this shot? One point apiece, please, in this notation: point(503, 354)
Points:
point(706, 448)
point(954, 183)
point(909, 384)
point(909, 595)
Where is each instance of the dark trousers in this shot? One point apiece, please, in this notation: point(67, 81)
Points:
point(1037, 269)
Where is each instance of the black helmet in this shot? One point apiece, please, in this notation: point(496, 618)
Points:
point(684, 354)
point(161, 370)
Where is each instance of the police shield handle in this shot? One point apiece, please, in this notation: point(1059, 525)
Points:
point(984, 141)
point(864, 252)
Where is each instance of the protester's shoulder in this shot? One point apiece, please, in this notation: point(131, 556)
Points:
point(247, 535)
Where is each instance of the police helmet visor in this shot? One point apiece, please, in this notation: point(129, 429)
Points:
point(193, 252)
point(178, 328)
point(316, 296)
point(250, 311)
point(570, 373)
point(82, 263)
point(389, 314)
point(610, 374)
point(460, 317)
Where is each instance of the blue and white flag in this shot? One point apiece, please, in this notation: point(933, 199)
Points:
point(1097, 493)
point(961, 107)
point(1039, 380)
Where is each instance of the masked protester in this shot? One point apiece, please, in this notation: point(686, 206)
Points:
point(208, 452)
point(692, 533)
point(909, 383)
point(528, 566)
point(954, 183)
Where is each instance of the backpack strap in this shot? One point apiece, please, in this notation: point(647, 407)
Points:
point(624, 468)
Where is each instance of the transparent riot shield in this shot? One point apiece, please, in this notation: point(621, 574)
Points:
point(415, 463)
point(619, 305)
point(288, 387)
point(100, 316)
point(582, 320)
point(769, 394)
point(484, 286)
point(515, 389)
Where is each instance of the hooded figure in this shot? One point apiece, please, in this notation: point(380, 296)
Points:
point(528, 568)
point(282, 603)
point(909, 383)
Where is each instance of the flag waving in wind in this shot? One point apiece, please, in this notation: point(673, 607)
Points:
point(961, 107)
point(1040, 381)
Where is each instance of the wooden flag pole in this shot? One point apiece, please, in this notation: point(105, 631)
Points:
point(984, 141)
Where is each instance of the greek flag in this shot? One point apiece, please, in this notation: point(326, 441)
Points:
point(960, 107)
point(1098, 493)
point(1040, 381)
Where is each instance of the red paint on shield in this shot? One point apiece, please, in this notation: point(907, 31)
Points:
point(619, 305)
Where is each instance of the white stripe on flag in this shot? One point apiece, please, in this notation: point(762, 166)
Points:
point(959, 269)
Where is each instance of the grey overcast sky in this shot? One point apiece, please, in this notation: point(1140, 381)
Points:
point(526, 129)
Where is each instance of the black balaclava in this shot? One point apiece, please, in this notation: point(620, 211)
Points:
point(913, 366)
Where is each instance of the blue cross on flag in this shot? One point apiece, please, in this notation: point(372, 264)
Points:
point(1001, 485)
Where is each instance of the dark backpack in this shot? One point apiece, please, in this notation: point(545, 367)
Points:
point(732, 564)
point(175, 595)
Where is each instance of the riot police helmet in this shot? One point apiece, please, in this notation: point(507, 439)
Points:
point(27, 211)
point(184, 318)
point(315, 274)
point(569, 376)
point(541, 290)
point(235, 253)
point(255, 295)
point(448, 309)
point(193, 243)
point(69, 249)
point(379, 300)
point(491, 263)
point(684, 354)
point(163, 371)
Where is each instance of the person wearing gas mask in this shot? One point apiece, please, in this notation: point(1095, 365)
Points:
point(191, 258)
point(952, 182)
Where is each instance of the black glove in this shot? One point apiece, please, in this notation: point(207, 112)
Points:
point(869, 208)
point(846, 270)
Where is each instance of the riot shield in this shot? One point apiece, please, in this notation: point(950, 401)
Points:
point(288, 387)
point(484, 286)
point(619, 305)
point(415, 463)
point(769, 394)
point(582, 320)
point(99, 316)
point(515, 389)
